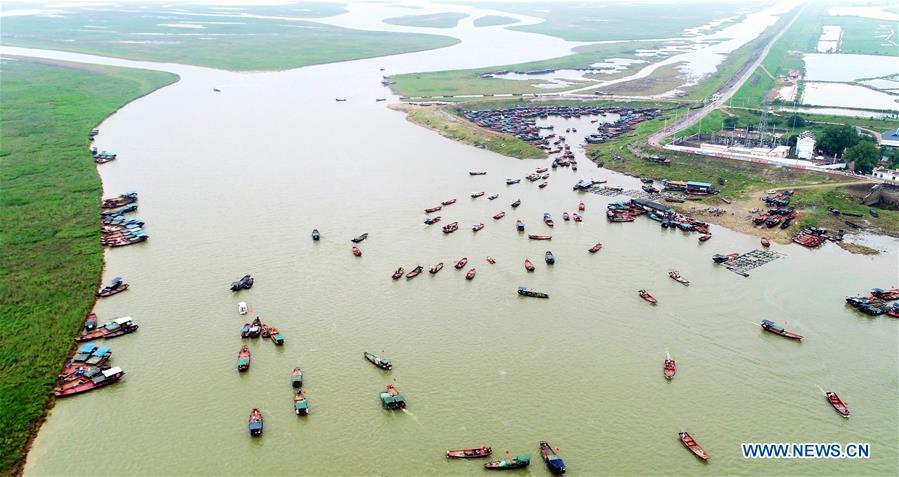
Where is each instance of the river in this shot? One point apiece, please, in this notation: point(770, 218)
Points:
point(233, 183)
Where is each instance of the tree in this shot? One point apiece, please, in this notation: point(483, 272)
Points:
point(730, 123)
point(796, 121)
point(864, 156)
point(791, 141)
point(837, 138)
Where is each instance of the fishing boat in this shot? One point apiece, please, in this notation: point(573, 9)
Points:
point(448, 202)
point(99, 357)
point(718, 258)
point(540, 237)
point(398, 273)
point(549, 257)
point(491, 260)
point(649, 189)
point(581, 207)
point(433, 209)
point(359, 238)
point(837, 403)
point(772, 327)
point(340, 100)
point(669, 369)
point(296, 378)
point(765, 242)
point(565, 216)
point(255, 423)
point(432, 220)
point(476, 453)
point(691, 444)
point(576, 217)
point(300, 405)
point(316, 234)
point(512, 181)
point(244, 283)
point(276, 336)
point(553, 461)
point(499, 215)
point(471, 273)
point(475, 195)
point(90, 324)
point(112, 329)
point(543, 184)
point(492, 197)
point(519, 225)
point(516, 203)
point(378, 361)
point(517, 462)
point(357, 252)
point(242, 308)
point(92, 379)
point(704, 237)
point(436, 268)
point(414, 272)
point(675, 275)
point(477, 227)
point(114, 287)
point(528, 265)
point(597, 247)
point(548, 219)
point(84, 352)
point(451, 227)
point(477, 173)
point(646, 296)
point(524, 291)
point(243, 358)
point(391, 399)
point(461, 263)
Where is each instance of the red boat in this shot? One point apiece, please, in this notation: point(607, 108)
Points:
point(243, 358)
point(415, 272)
point(450, 228)
point(837, 403)
point(357, 252)
point(669, 369)
point(528, 265)
point(771, 327)
point(766, 242)
point(436, 268)
point(433, 209)
point(691, 444)
point(255, 423)
point(499, 216)
point(581, 207)
point(117, 286)
point(483, 451)
point(89, 382)
point(398, 273)
point(576, 217)
point(477, 227)
point(470, 274)
point(432, 220)
point(646, 296)
point(596, 247)
point(449, 202)
point(540, 237)
point(490, 260)
point(703, 238)
point(565, 216)
point(461, 263)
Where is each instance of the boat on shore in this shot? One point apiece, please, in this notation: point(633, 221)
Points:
point(114, 287)
point(120, 201)
point(359, 238)
point(524, 291)
point(436, 268)
point(838, 405)
point(595, 248)
point(647, 296)
point(255, 423)
point(300, 404)
point(694, 447)
point(316, 234)
point(555, 463)
point(669, 368)
point(499, 215)
point(391, 399)
point(112, 329)
point(676, 276)
point(245, 283)
point(517, 462)
point(448, 202)
point(451, 227)
point(296, 378)
point(243, 359)
point(414, 272)
point(356, 251)
point(471, 273)
point(477, 227)
point(378, 361)
point(549, 258)
point(461, 263)
point(92, 379)
point(540, 237)
point(398, 273)
point(528, 265)
point(772, 327)
point(476, 453)
point(516, 203)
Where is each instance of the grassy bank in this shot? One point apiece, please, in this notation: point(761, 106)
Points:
point(443, 120)
point(778, 122)
point(493, 20)
point(157, 34)
point(51, 256)
point(433, 20)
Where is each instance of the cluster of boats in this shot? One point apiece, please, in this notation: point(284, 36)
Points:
point(554, 463)
point(116, 230)
point(86, 371)
point(258, 329)
point(877, 303)
point(668, 218)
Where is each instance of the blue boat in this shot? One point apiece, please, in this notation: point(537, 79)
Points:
point(553, 461)
point(84, 352)
point(315, 234)
point(100, 356)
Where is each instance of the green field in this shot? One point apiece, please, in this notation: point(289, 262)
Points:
point(433, 20)
point(235, 44)
point(492, 20)
point(778, 122)
point(51, 258)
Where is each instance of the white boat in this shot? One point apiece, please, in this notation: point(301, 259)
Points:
point(242, 308)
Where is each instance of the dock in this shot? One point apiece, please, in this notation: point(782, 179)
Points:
point(751, 260)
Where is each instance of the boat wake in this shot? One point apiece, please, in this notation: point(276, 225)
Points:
point(821, 389)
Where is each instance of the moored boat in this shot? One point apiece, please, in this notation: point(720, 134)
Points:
point(276, 336)
point(477, 227)
point(476, 453)
point(448, 202)
point(694, 447)
point(595, 248)
point(471, 273)
point(555, 463)
point(300, 404)
point(540, 237)
point(499, 215)
point(647, 296)
point(436, 268)
point(398, 273)
point(255, 423)
point(517, 462)
point(528, 265)
point(92, 379)
point(414, 272)
point(451, 227)
point(704, 237)
point(581, 207)
point(357, 252)
point(99, 357)
point(112, 329)
point(296, 378)
point(378, 361)
point(114, 287)
point(838, 405)
point(391, 399)
point(359, 238)
point(243, 358)
point(316, 234)
point(675, 275)
point(524, 291)
point(772, 327)
point(669, 369)
point(549, 257)
point(765, 242)
point(461, 263)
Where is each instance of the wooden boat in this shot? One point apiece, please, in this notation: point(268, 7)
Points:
point(516, 203)
point(414, 272)
point(547, 219)
point(646, 296)
point(491, 260)
point(581, 207)
point(475, 195)
point(476, 453)
point(704, 237)
point(448, 202)
point(499, 215)
point(837, 403)
point(669, 369)
point(524, 291)
point(357, 252)
point(300, 405)
point(543, 184)
point(340, 100)
point(242, 308)
point(565, 216)
point(378, 361)
point(675, 275)
point(471, 273)
point(436, 268)
point(90, 324)
point(99, 357)
point(432, 220)
point(461, 263)
point(391, 399)
point(477, 227)
point(718, 258)
point(92, 379)
point(316, 234)
point(519, 225)
point(296, 378)
point(549, 257)
point(243, 358)
point(576, 217)
point(114, 287)
point(512, 181)
point(276, 336)
point(765, 242)
point(553, 461)
point(528, 265)
point(691, 444)
point(398, 273)
point(255, 423)
point(359, 238)
point(540, 237)
point(492, 197)
point(451, 227)
point(596, 247)
point(516, 462)
point(478, 173)
point(772, 327)
point(112, 329)
point(120, 201)
point(433, 209)
point(245, 283)
point(541, 170)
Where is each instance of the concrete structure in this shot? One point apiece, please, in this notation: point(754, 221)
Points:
point(885, 174)
point(761, 152)
point(890, 139)
point(805, 145)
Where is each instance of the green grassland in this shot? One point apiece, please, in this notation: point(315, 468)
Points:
point(778, 122)
point(433, 20)
point(493, 20)
point(50, 253)
point(241, 43)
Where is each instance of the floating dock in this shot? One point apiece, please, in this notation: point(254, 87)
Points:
point(751, 260)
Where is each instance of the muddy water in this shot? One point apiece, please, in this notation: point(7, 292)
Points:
point(233, 183)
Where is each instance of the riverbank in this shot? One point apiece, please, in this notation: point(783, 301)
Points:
point(52, 258)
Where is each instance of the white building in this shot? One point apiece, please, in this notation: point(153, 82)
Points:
point(886, 174)
point(805, 145)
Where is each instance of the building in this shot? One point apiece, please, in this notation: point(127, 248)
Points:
point(805, 145)
point(886, 174)
point(890, 139)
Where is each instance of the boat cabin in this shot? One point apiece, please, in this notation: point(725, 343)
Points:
point(773, 326)
point(85, 352)
point(392, 403)
point(107, 375)
point(699, 188)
